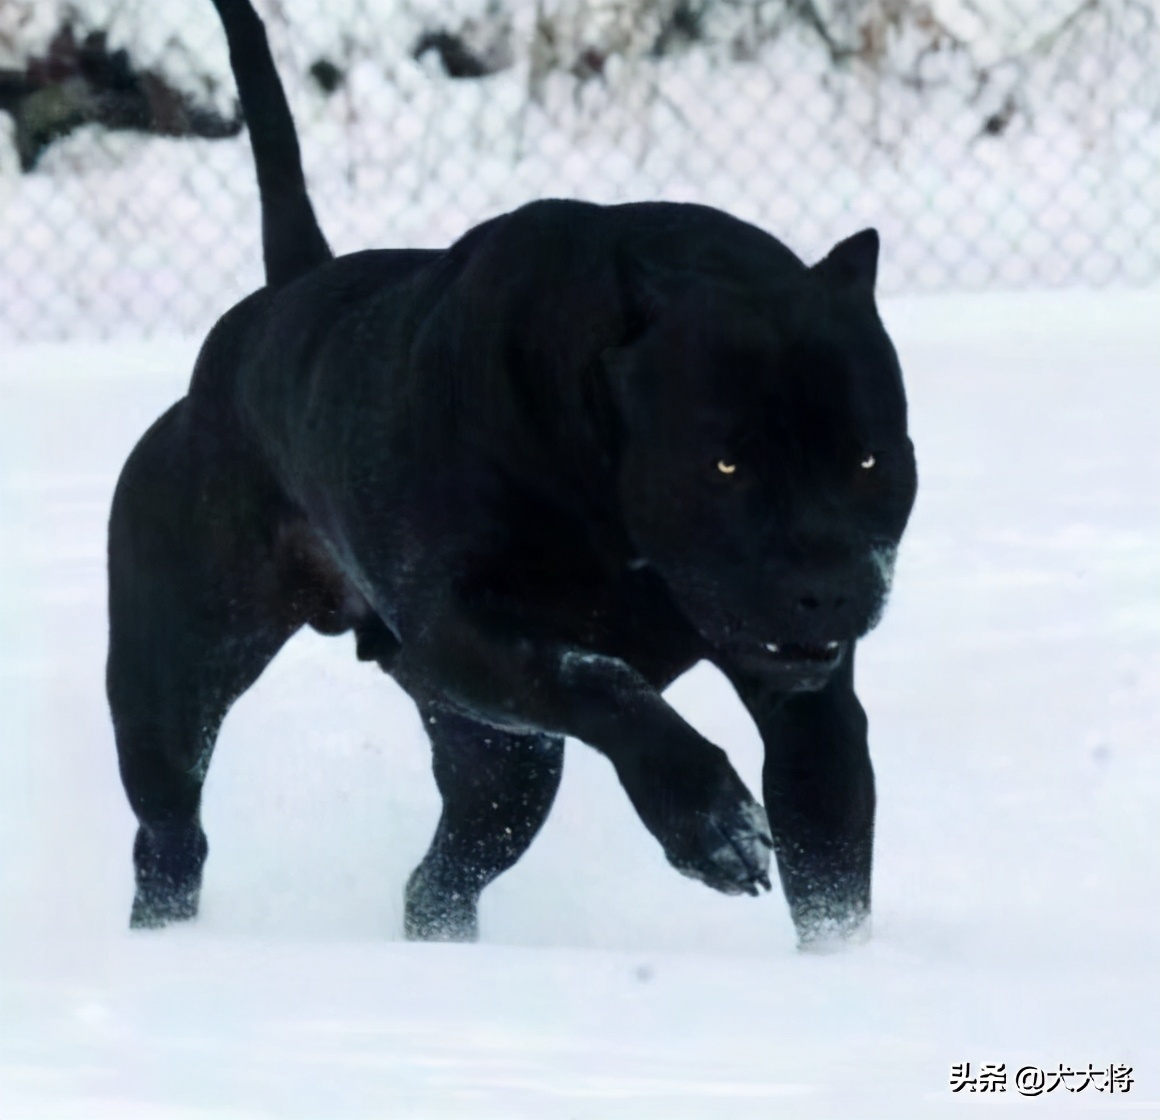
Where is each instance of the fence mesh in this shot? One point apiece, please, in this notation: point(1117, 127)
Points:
point(992, 142)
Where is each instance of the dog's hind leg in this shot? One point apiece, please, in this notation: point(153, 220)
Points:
point(196, 611)
point(497, 788)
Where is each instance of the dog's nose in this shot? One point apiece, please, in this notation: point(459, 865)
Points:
point(813, 602)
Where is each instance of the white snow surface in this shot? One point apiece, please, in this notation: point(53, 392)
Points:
point(1013, 691)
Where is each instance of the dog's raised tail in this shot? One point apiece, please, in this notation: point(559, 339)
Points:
point(292, 242)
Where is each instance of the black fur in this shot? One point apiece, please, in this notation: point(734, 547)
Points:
point(539, 475)
point(292, 242)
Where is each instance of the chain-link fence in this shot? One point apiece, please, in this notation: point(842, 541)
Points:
point(992, 142)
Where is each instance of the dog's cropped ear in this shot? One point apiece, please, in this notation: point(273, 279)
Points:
point(853, 262)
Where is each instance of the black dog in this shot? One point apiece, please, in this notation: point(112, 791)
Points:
point(539, 474)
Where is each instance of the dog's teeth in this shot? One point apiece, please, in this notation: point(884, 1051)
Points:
point(771, 646)
point(831, 646)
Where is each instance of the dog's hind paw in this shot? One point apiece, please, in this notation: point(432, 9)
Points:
point(154, 910)
point(433, 913)
point(168, 864)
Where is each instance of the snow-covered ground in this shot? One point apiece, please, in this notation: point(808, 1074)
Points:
point(1014, 697)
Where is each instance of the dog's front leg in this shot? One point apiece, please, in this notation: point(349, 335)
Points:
point(819, 793)
point(682, 786)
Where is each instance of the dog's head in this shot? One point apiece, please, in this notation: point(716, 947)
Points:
point(765, 471)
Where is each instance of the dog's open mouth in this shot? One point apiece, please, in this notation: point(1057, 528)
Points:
point(796, 666)
point(822, 655)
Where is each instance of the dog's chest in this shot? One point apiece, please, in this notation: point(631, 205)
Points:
point(625, 613)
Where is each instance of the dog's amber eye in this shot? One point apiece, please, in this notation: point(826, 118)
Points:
point(868, 462)
point(726, 468)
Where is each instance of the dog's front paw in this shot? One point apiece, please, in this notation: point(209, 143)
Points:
point(726, 847)
point(694, 803)
point(834, 931)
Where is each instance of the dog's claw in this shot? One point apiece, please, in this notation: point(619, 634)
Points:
point(764, 881)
